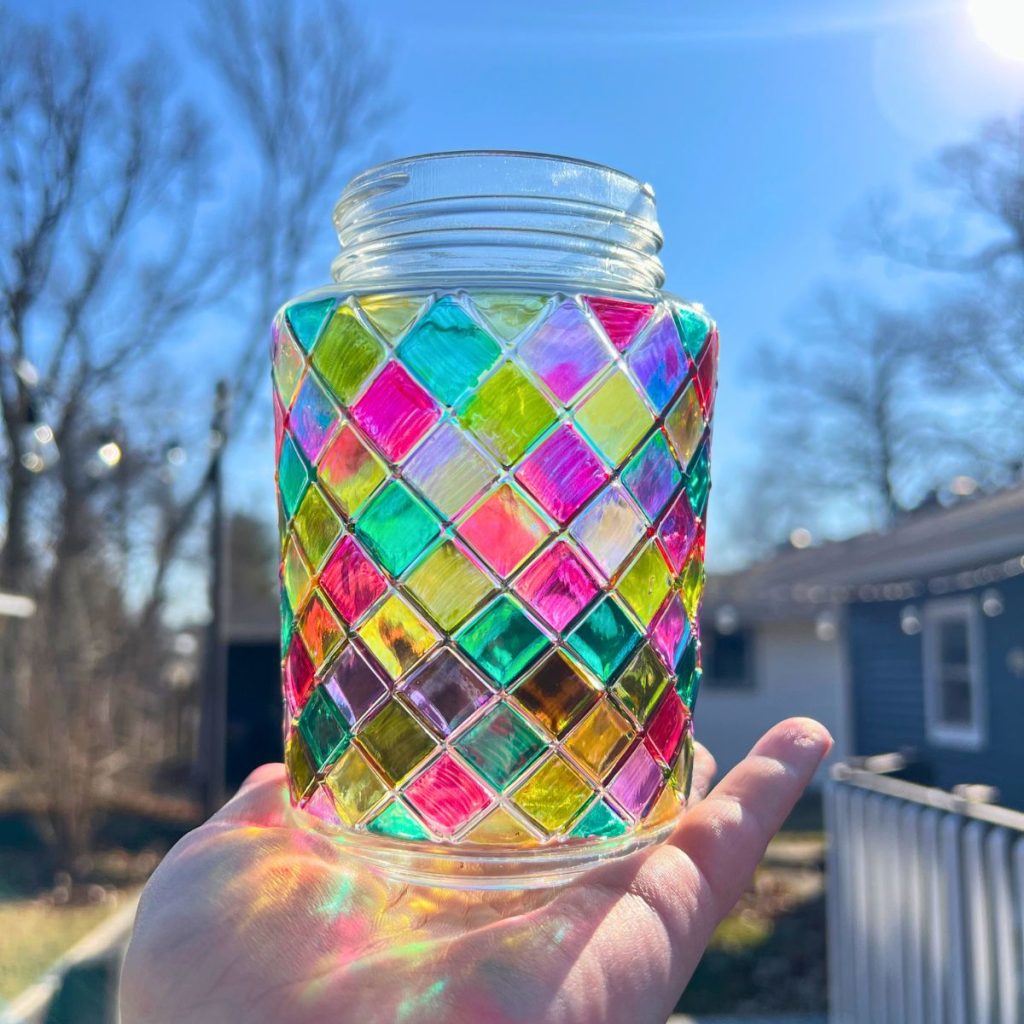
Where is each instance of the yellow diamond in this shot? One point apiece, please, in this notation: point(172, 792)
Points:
point(553, 795)
point(448, 585)
point(692, 584)
point(391, 314)
point(600, 739)
point(614, 417)
point(355, 786)
point(646, 582)
point(296, 574)
point(397, 636)
point(499, 828)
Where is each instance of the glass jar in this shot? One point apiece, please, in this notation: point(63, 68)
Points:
point(493, 442)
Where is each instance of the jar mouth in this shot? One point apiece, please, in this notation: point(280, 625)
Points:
point(492, 215)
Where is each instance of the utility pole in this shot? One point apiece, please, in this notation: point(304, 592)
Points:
point(213, 721)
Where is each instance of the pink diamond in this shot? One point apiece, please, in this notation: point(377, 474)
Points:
point(298, 675)
point(557, 585)
point(321, 805)
point(637, 782)
point(670, 630)
point(566, 352)
point(395, 411)
point(447, 795)
point(622, 321)
point(351, 580)
point(665, 729)
point(707, 373)
point(562, 473)
point(678, 532)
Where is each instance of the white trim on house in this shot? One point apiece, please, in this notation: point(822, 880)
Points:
point(957, 735)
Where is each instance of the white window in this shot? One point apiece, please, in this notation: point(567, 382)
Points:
point(954, 685)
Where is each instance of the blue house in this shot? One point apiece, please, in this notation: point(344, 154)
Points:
point(926, 626)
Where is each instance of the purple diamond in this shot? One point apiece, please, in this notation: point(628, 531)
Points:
point(446, 692)
point(653, 475)
point(637, 782)
point(313, 419)
point(356, 686)
point(659, 361)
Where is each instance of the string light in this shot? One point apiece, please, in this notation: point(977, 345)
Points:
point(109, 454)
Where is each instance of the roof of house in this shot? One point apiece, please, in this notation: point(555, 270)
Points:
point(935, 549)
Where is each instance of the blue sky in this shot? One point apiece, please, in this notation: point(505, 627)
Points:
point(760, 125)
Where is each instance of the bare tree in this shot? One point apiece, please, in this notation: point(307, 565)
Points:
point(970, 240)
point(113, 238)
point(845, 423)
point(307, 88)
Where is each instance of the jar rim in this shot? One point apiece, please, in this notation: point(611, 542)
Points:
point(488, 213)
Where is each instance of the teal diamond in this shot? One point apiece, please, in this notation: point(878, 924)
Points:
point(698, 481)
point(605, 638)
point(287, 618)
point(323, 729)
point(688, 674)
point(502, 640)
point(396, 526)
point(501, 746)
point(307, 318)
point(693, 330)
point(396, 821)
point(448, 351)
point(292, 476)
point(600, 820)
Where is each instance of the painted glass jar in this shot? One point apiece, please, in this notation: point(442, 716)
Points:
point(493, 436)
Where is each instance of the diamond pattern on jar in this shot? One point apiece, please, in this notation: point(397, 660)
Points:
point(492, 513)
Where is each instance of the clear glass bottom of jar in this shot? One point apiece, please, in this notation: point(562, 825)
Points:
point(454, 866)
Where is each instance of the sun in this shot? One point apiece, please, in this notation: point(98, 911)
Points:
point(1000, 24)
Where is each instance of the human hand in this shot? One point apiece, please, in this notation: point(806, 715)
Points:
point(251, 919)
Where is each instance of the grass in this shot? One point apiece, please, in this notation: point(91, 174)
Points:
point(33, 934)
point(768, 955)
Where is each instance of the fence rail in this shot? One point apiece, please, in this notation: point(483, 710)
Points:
point(925, 905)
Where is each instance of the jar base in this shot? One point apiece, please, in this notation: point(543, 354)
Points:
point(452, 866)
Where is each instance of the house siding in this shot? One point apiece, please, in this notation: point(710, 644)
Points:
point(793, 673)
point(887, 676)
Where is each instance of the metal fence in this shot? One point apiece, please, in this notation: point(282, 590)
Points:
point(925, 905)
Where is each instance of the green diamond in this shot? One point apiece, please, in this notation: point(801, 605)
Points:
point(316, 525)
point(688, 674)
point(698, 481)
point(288, 365)
point(693, 329)
point(501, 746)
point(448, 351)
point(307, 318)
point(346, 354)
point(323, 728)
point(642, 682)
point(502, 640)
point(507, 412)
point(396, 526)
point(397, 821)
point(292, 476)
point(605, 638)
point(600, 820)
point(287, 618)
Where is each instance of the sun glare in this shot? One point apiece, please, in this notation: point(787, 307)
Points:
point(1000, 25)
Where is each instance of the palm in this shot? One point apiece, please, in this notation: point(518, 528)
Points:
point(251, 919)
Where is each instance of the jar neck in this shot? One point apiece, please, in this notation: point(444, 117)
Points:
point(485, 219)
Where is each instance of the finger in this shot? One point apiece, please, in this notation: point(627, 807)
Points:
point(262, 799)
point(726, 834)
point(704, 768)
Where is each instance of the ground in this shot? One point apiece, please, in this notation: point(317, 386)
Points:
point(768, 956)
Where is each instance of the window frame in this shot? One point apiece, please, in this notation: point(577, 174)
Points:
point(942, 733)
